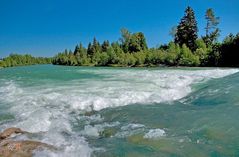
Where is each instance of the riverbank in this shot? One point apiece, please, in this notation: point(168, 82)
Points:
point(22, 60)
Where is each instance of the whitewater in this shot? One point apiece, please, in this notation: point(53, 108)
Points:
point(71, 107)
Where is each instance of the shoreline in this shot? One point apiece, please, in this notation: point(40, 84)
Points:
point(122, 66)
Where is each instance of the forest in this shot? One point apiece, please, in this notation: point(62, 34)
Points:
point(131, 50)
point(21, 60)
point(187, 49)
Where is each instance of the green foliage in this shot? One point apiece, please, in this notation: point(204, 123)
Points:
point(202, 52)
point(2, 64)
point(187, 58)
point(20, 60)
point(104, 59)
point(129, 59)
point(112, 56)
point(187, 30)
point(173, 54)
point(137, 42)
point(139, 58)
point(214, 55)
point(212, 32)
point(105, 45)
point(125, 39)
point(171, 59)
point(96, 46)
point(80, 55)
point(154, 57)
point(201, 44)
point(132, 50)
point(133, 42)
point(90, 50)
point(95, 60)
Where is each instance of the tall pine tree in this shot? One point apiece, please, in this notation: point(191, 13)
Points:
point(105, 46)
point(90, 51)
point(187, 30)
point(96, 46)
point(77, 50)
point(212, 32)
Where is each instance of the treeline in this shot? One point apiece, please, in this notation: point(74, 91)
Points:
point(20, 60)
point(187, 49)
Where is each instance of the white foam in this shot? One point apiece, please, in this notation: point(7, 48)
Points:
point(48, 107)
point(89, 119)
point(132, 126)
point(8, 90)
point(129, 130)
point(154, 133)
point(74, 148)
point(92, 131)
point(37, 107)
point(123, 87)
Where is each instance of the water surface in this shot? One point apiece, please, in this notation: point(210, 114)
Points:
point(95, 111)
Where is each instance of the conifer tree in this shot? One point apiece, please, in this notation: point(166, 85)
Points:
point(212, 32)
point(96, 46)
point(89, 49)
point(105, 45)
point(77, 50)
point(187, 30)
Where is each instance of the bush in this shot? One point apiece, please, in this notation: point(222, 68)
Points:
point(104, 59)
point(187, 58)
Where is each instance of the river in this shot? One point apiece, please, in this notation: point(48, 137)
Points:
point(124, 112)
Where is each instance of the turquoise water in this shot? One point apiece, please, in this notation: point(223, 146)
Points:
point(105, 112)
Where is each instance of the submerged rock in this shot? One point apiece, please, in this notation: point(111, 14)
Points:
point(11, 148)
point(10, 131)
point(25, 148)
point(90, 113)
point(109, 132)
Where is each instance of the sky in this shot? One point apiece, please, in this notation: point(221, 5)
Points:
point(46, 27)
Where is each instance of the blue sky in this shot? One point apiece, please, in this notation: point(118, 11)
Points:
point(46, 27)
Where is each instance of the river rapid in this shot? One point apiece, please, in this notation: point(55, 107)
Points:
point(123, 112)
